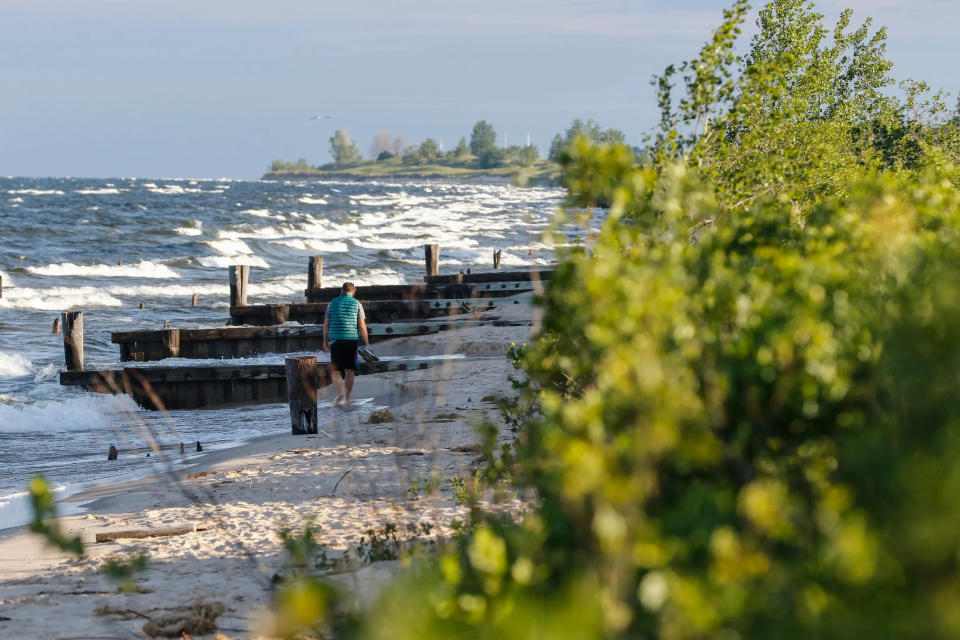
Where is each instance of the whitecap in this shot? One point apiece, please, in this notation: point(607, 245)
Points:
point(57, 298)
point(142, 269)
point(97, 192)
point(227, 261)
point(82, 413)
point(35, 192)
point(314, 245)
point(309, 200)
point(190, 228)
point(13, 365)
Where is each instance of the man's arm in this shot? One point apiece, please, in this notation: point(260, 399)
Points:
point(362, 326)
point(326, 333)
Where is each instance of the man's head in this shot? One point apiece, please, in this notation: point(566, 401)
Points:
point(349, 288)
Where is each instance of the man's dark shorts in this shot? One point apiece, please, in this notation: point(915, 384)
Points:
point(343, 355)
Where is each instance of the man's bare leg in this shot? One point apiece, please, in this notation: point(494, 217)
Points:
point(338, 385)
point(348, 384)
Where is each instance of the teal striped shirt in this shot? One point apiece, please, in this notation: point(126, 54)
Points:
point(344, 312)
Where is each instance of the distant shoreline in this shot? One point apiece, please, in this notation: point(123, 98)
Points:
point(514, 176)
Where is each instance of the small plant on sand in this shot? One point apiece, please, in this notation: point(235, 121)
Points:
point(303, 549)
point(122, 571)
point(465, 493)
point(426, 485)
point(387, 543)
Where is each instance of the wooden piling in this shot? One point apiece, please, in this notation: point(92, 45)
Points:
point(302, 382)
point(56, 326)
point(315, 273)
point(1, 286)
point(239, 282)
point(170, 341)
point(193, 302)
point(496, 258)
point(112, 453)
point(166, 324)
point(431, 254)
point(73, 340)
point(143, 305)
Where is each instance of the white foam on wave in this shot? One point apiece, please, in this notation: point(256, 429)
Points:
point(16, 199)
point(13, 365)
point(142, 269)
point(262, 213)
point(190, 228)
point(82, 413)
point(314, 245)
point(222, 262)
point(57, 298)
point(36, 192)
point(176, 189)
point(229, 246)
point(309, 200)
point(98, 192)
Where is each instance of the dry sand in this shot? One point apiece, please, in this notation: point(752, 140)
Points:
point(351, 477)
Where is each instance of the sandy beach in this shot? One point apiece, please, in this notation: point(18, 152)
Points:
point(352, 477)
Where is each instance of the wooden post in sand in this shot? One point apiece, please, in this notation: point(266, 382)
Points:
point(315, 273)
point(239, 281)
point(302, 380)
point(431, 254)
point(73, 340)
point(496, 258)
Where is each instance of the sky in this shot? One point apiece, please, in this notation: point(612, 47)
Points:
point(220, 88)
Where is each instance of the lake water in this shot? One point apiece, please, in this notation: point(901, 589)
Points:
point(105, 246)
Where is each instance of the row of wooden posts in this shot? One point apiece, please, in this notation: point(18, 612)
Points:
point(71, 322)
point(240, 274)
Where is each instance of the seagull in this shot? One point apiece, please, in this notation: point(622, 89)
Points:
point(319, 117)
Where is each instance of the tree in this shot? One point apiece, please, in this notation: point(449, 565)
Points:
point(462, 149)
point(382, 141)
point(793, 117)
point(483, 138)
point(398, 146)
point(591, 130)
point(739, 417)
point(556, 148)
point(429, 149)
point(343, 149)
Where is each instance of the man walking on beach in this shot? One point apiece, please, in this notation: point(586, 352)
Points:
point(343, 326)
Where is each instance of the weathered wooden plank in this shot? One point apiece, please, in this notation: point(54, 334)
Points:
point(376, 311)
point(175, 388)
point(147, 533)
point(239, 283)
point(302, 384)
point(374, 293)
point(531, 274)
point(73, 340)
point(238, 342)
point(431, 255)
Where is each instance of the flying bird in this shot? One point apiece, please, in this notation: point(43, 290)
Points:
point(319, 117)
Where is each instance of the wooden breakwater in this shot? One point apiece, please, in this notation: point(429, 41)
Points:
point(175, 388)
point(371, 293)
point(382, 311)
point(243, 342)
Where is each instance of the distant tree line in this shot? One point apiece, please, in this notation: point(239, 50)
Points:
point(481, 151)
